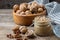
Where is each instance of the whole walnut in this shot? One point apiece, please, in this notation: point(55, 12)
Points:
point(33, 7)
point(23, 29)
point(22, 13)
point(23, 6)
point(40, 10)
point(30, 34)
point(28, 12)
point(16, 7)
point(18, 11)
point(15, 28)
point(35, 4)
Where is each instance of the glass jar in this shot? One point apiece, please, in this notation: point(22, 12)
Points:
point(42, 27)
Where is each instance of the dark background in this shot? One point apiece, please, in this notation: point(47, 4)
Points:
point(55, 0)
point(7, 4)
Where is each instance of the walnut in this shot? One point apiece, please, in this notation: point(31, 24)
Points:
point(16, 29)
point(33, 8)
point(18, 11)
point(29, 34)
point(23, 6)
point(40, 10)
point(23, 29)
point(35, 4)
point(22, 13)
point(16, 7)
point(28, 12)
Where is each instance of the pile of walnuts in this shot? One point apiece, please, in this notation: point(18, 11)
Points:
point(21, 33)
point(28, 9)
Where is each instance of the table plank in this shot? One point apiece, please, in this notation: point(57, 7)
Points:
point(6, 24)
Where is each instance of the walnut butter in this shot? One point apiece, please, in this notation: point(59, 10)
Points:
point(42, 26)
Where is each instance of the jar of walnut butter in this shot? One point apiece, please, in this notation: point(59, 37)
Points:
point(42, 26)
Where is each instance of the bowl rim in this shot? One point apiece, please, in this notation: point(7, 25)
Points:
point(29, 15)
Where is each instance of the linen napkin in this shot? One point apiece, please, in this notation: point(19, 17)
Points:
point(53, 10)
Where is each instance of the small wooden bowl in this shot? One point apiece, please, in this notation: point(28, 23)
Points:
point(25, 20)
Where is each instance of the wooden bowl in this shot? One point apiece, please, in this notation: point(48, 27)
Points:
point(25, 20)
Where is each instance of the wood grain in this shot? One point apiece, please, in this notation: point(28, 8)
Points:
point(6, 24)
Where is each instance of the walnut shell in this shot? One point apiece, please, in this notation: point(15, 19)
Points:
point(28, 12)
point(22, 13)
point(40, 10)
point(16, 7)
point(30, 34)
point(33, 8)
point(35, 4)
point(23, 29)
point(15, 28)
point(23, 6)
point(18, 11)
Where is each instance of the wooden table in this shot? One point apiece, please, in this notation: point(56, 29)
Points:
point(6, 24)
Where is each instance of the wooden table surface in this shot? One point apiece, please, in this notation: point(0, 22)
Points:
point(6, 24)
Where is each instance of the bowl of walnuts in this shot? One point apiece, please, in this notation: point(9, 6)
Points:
point(24, 13)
